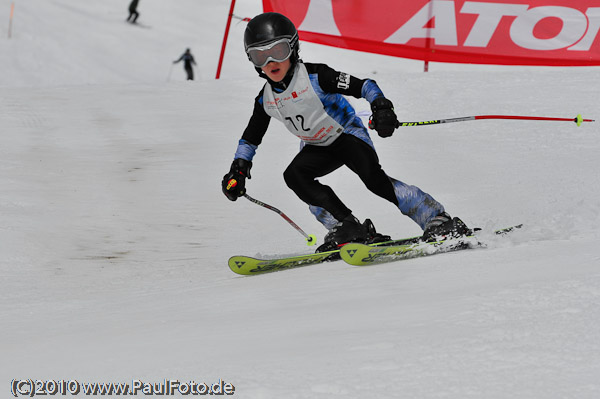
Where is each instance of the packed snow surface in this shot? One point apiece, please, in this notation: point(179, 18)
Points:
point(115, 236)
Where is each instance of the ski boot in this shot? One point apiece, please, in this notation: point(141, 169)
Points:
point(372, 235)
point(445, 226)
point(351, 230)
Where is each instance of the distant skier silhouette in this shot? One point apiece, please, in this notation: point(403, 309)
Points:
point(188, 61)
point(133, 13)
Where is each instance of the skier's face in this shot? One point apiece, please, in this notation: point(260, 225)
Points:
point(276, 71)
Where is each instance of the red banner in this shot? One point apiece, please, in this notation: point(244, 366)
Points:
point(514, 32)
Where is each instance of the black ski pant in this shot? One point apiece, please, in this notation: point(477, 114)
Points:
point(317, 161)
point(190, 72)
point(133, 16)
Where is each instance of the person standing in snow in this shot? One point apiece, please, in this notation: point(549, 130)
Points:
point(133, 13)
point(308, 98)
point(188, 62)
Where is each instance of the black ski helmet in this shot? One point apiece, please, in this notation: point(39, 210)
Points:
point(270, 27)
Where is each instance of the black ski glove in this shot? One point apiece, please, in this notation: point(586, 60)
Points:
point(383, 118)
point(234, 182)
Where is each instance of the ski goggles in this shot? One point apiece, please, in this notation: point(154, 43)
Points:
point(277, 51)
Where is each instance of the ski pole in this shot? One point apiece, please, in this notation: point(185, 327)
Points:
point(310, 239)
point(578, 119)
point(170, 71)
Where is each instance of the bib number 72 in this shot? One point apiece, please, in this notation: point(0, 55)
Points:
point(300, 120)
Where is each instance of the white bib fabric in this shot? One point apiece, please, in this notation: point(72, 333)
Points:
point(301, 111)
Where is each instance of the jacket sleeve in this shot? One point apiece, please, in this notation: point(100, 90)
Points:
point(254, 132)
point(333, 81)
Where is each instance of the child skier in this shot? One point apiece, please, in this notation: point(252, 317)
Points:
point(308, 99)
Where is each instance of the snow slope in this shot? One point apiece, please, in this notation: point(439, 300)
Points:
point(114, 233)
